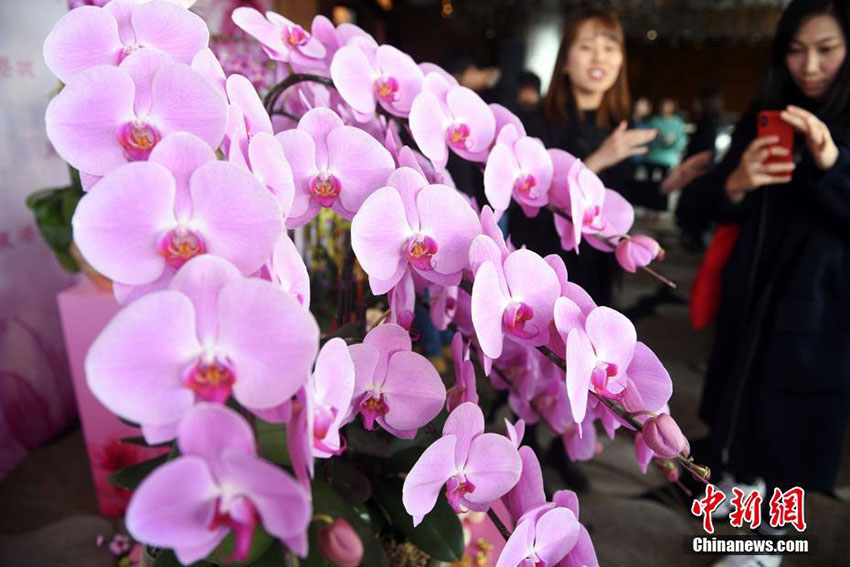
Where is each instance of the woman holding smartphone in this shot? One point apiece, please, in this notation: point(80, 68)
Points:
point(777, 391)
point(585, 112)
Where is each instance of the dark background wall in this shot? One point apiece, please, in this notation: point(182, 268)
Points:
point(697, 44)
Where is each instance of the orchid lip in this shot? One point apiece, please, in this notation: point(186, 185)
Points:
point(601, 379)
point(420, 252)
point(138, 139)
point(295, 35)
point(325, 189)
point(127, 51)
point(458, 134)
point(211, 380)
point(373, 407)
point(180, 245)
point(242, 527)
point(387, 89)
point(516, 320)
point(525, 185)
point(457, 487)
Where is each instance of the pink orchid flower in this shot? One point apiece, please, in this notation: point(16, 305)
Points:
point(444, 116)
point(366, 76)
point(319, 409)
point(216, 486)
point(333, 165)
point(108, 116)
point(333, 38)
point(543, 537)
point(597, 354)
point(444, 304)
point(395, 387)
point(464, 389)
point(476, 467)
point(513, 299)
point(287, 269)
point(144, 220)
point(212, 334)
point(402, 302)
point(410, 225)
point(90, 36)
point(518, 166)
point(595, 211)
point(527, 503)
point(637, 251)
point(332, 387)
point(282, 39)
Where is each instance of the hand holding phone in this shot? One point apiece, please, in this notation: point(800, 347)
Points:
point(770, 123)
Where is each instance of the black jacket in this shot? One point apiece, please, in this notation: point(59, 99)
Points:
point(777, 390)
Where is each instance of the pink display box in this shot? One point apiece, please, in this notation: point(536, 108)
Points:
point(84, 311)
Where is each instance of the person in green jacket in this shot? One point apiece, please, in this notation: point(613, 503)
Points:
point(666, 148)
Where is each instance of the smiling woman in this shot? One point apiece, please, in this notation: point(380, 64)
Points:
point(584, 113)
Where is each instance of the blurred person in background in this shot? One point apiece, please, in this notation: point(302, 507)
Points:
point(585, 112)
point(665, 152)
point(708, 121)
point(777, 391)
point(528, 92)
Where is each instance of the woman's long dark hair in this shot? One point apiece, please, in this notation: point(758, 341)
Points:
point(779, 88)
point(559, 103)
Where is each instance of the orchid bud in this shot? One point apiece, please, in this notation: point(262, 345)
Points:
point(670, 470)
point(637, 251)
point(340, 544)
point(662, 434)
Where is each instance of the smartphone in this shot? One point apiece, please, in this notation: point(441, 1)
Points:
point(771, 124)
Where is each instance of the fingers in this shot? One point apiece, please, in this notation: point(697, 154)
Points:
point(764, 153)
point(621, 127)
point(760, 143)
point(796, 120)
point(637, 151)
point(778, 168)
point(638, 136)
point(764, 179)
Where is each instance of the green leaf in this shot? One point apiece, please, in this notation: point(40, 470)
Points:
point(372, 443)
point(274, 556)
point(140, 440)
point(440, 534)
point(348, 480)
point(167, 558)
point(132, 476)
point(326, 500)
point(261, 542)
point(271, 439)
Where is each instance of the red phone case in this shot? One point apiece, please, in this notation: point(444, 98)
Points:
point(771, 124)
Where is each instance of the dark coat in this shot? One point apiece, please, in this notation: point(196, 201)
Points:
point(777, 390)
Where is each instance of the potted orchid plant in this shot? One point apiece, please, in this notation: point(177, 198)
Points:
point(291, 442)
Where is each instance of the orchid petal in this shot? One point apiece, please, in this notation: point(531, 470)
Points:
point(493, 467)
point(271, 362)
point(81, 39)
point(117, 223)
point(413, 389)
point(424, 481)
point(174, 506)
point(580, 361)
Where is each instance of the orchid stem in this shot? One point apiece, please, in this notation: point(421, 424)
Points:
point(498, 523)
point(274, 93)
point(611, 242)
point(699, 472)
